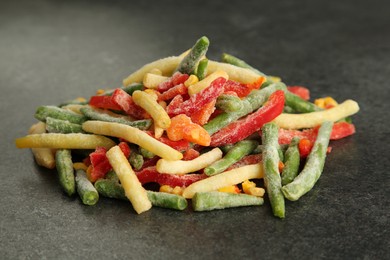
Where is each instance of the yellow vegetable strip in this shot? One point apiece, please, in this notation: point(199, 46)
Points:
point(165, 65)
point(132, 135)
point(43, 156)
point(232, 177)
point(204, 83)
point(235, 73)
point(308, 120)
point(155, 110)
point(129, 181)
point(152, 81)
point(183, 167)
point(64, 141)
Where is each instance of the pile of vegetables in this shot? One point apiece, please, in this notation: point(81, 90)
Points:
point(187, 128)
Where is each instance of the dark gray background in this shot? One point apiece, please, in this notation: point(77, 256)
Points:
point(51, 51)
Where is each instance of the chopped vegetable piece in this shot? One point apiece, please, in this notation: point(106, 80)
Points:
point(144, 100)
point(190, 61)
point(85, 189)
point(201, 70)
point(312, 170)
point(54, 125)
point(272, 178)
point(65, 171)
point(300, 91)
point(205, 201)
point(236, 153)
point(232, 177)
point(65, 141)
point(197, 101)
point(167, 200)
point(308, 120)
point(243, 128)
point(133, 135)
point(206, 82)
point(133, 188)
point(291, 162)
point(44, 112)
point(183, 167)
point(183, 128)
point(43, 156)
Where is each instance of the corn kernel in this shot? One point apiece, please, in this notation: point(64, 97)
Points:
point(191, 80)
point(230, 189)
point(166, 188)
point(247, 185)
point(100, 91)
point(256, 191)
point(80, 166)
point(177, 190)
point(152, 93)
point(325, 102)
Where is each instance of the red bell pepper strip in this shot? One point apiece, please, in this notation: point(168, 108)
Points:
point(100, 164)
point(300, 91)
point(104, 102)
point(197, 101)
point(126, 103)
point(150, 174)
point(176, 79)
point(242, 90)
point(179, 89)
point(243, 128)
point(339, 130)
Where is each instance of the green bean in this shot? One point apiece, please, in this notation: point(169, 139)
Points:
point(190, 61)
point(85, 189)
point(298, 104)
point(110, 188)
point(145, 153)
point(108, 116)
point(65, 171)
point(113, 189)
point(201, 70)
point(136, 159)
point(228, 58)
point(167, 200)
point(313, 168)
point(44, 112)
point(229, 103)
point(236, 153)
point(54, 125)
point(129, 89)
point(250, 103)
point(205, 201)
point(272, 178)
point(291, 162)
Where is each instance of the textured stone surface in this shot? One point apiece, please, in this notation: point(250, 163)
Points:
point(51, 51)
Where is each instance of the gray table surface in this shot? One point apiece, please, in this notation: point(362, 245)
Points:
point(51, 51)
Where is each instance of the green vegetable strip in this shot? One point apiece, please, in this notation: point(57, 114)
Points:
point(44, 112)
point(236, 153)
point(272, 178)
point(136, 159)
point(128, 89)
point(250, 103)
point(312, 170)
point(167, 200)
point(145, 153)
point(85, 189)
point(201, 70)
point(62, 126)
point(298, 104)
point(291, 162)
point(73, 102)
point(65, 171)
point(205, 201)
point(229, 103)
point(112, 189)
point(190, 61)
point(228, 58)
point(103, 115)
